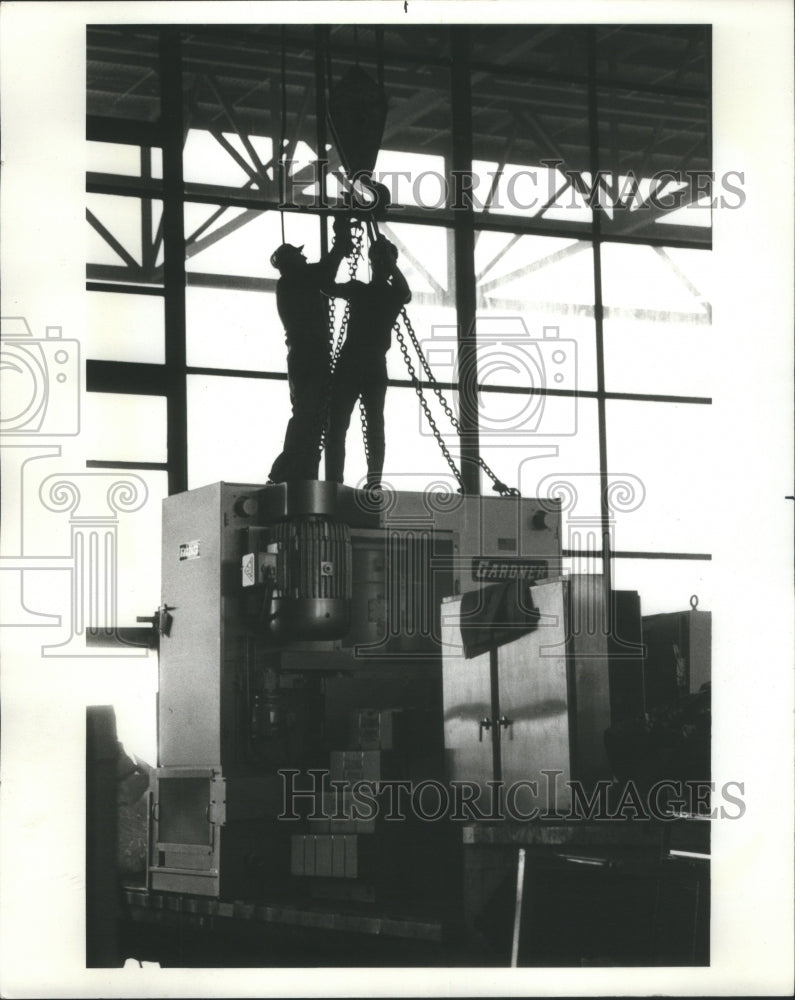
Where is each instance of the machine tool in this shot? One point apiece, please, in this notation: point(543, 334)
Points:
point(287, 609)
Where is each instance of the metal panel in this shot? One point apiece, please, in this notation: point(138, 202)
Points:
point(182, 805)
point(626, 651)
point(589, 669)
point(679, 655)
point(467, 700)
point(189, 718)
point(534, 699)
point(185, 837)
point(699, 649)
point(200, 655)
point(552, 697)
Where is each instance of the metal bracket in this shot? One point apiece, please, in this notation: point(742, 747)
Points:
point(161, 619)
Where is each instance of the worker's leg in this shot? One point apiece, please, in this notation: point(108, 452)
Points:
point(282, 468)
point(308, 381)
point(344, 393)
point(373, 397)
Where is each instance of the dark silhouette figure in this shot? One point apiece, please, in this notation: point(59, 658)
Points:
point(303, 310)
point(361, 368)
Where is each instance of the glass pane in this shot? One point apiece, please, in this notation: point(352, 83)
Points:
point(665, 584)
point(413, 459)
point(565, 466)
point(657, 328)
point(647, 281)
point(113, 158)
point(241, 241)
point(655, 154)
point(206, 159)
point(234, 329)
point(125, 327)
point(235, 428)
point(538, 191)
point(425, 259)
point(413, 179)
point(669, 448)
point(535, 313)
point(122, 232)
point(121, 217)
point(124, 159)
point(123, 72)
point(124, 428)
point(233, 87)
point(517, 125)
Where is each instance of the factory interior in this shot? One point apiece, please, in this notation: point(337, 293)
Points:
point(501, 657)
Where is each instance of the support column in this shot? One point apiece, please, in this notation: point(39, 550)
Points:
point(464, 245)
point(593, 121)
point(173, 134)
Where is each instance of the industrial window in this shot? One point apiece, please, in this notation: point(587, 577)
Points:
point(583, 254)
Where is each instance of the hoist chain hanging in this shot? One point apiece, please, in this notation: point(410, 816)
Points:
point(498, 485)
point(336, 348)
point(363, 419)
point(424, 404)
point(282, 167)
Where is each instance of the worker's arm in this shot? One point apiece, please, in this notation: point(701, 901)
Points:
point(400, 285)
point(345, 290)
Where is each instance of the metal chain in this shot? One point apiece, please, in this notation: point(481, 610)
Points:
point(362, 411)
point(424, 404)
point(498, 485)
point(363, 420)
point(353, 265)
point(336, 349)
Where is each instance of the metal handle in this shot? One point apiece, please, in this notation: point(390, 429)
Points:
point(161, 619)
point(485, 723)
point(504, 721)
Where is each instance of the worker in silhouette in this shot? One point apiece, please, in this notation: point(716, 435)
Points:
point(303, 310)
point(361, 368)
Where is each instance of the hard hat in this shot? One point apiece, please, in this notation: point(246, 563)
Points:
point(283, 253)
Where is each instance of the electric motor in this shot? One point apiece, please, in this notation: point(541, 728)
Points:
point(312, 586)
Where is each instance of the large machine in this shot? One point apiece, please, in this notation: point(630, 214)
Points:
point(301, 620)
